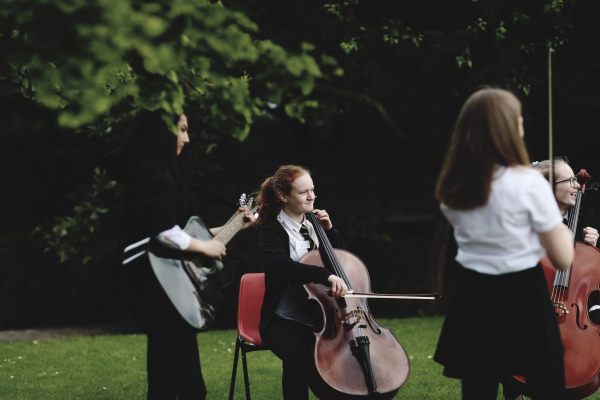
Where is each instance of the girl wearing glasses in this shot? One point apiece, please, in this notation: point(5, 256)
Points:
point(501, 321)
point(565, 189)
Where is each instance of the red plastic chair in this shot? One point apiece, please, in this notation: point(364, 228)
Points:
point(252, 290)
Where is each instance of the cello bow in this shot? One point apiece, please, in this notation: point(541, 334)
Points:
point(430, 296)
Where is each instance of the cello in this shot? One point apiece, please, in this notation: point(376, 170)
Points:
point(573, 293)
point(351, 356)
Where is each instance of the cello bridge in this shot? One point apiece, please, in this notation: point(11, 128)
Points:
point(353, 314)
point(561, 306)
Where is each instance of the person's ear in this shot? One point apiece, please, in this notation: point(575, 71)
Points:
point(282, 197)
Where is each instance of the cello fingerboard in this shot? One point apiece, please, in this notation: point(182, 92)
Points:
point(326, 249)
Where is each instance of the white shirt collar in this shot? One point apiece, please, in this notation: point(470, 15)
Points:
point(283, 217)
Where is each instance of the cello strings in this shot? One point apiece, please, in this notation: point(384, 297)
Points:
point(352, 303)
point(329, 250)
point(571, 214)
point(558, 279)
point(562, 275)
point(572, 220)
point(339, 270)
point(324, 244)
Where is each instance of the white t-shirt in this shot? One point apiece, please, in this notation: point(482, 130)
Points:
point(501, 236)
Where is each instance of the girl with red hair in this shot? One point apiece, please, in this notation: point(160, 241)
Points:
point(287, 235)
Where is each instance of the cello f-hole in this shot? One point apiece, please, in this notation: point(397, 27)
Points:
point(378, 331)
point(577, 318)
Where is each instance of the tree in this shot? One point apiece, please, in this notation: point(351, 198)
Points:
point(374, 143)
point(91, 64)
point(419, 60)
point(87, 56)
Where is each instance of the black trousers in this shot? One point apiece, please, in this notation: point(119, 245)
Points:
point(473, 389)
point(510, 391)
point(174, 368)
point(288, 340)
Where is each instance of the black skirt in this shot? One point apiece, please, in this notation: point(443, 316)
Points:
point(503, 325)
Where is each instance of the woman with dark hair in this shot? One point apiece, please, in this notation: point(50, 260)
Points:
point(285, 237)
point(501, 321)
point(155, 204)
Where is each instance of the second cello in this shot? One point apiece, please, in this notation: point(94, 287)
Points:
point(573, 293)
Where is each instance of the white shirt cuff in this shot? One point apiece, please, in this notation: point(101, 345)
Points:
point(175, 238)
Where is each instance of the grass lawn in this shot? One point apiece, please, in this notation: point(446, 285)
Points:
point(114, 367)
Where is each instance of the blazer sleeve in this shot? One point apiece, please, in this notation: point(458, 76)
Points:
point(279, 264)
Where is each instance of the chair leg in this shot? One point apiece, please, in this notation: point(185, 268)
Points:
point(238, 343)
point(245, 365)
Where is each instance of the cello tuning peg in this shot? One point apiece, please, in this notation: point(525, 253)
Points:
point(591, 186)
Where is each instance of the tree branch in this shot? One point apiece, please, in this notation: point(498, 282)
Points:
point(370, 101)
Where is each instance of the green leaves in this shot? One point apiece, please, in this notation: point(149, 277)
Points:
point(461, 39)
point(349, 46)
point(66, 236)
point(87, 56)
point(555, 6)
point(501, 31)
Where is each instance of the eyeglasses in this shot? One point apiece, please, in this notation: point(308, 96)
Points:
point(572, 181)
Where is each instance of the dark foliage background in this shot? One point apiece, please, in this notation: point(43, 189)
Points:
point(374, 145)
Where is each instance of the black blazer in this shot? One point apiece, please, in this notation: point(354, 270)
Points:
point(152, 202)
point(281, 270)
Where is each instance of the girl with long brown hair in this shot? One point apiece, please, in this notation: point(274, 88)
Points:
point(501, 321)
point(287, 235)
